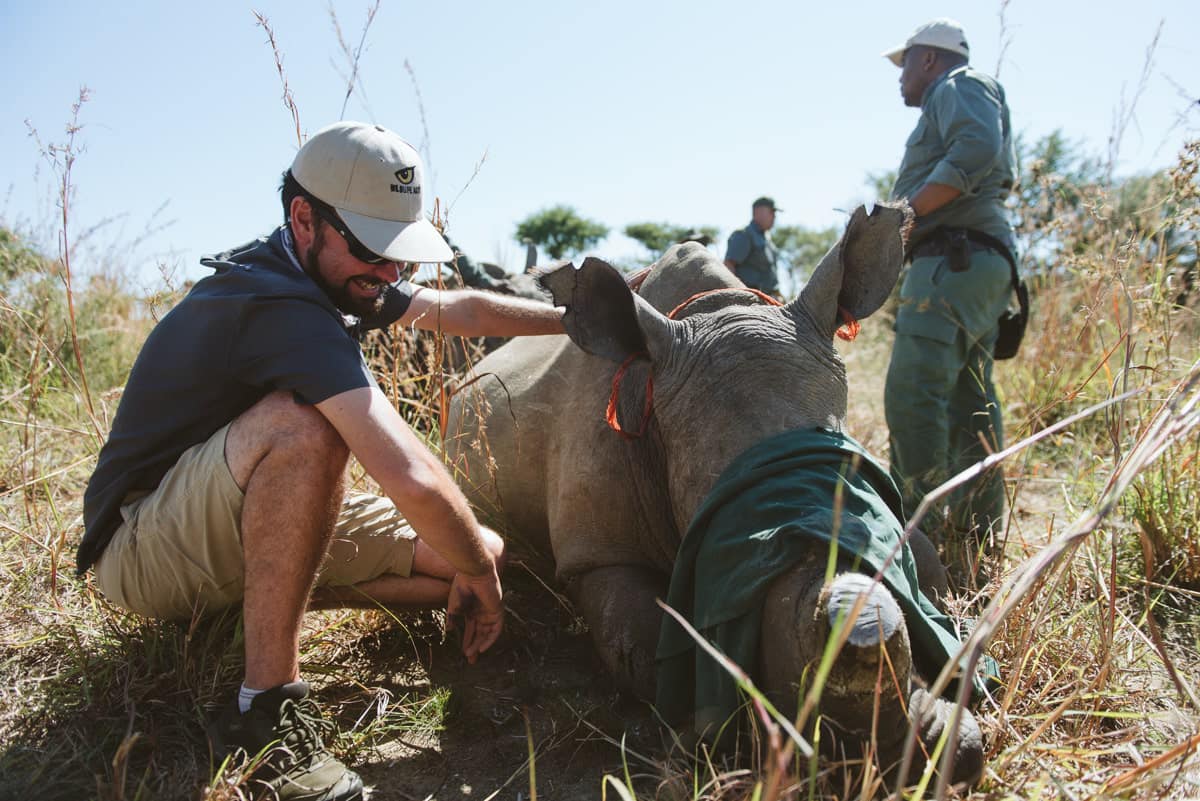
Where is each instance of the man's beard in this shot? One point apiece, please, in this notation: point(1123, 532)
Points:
point(340, 295)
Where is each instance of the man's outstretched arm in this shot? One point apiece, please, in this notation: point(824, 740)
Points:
point(471, 313)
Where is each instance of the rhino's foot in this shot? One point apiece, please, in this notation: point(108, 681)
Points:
point(618, 604)
point(930, 716)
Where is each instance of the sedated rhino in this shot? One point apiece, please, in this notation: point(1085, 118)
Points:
point(711, 400)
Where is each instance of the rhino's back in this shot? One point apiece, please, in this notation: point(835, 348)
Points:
point(535, 456)
point(497, 432)
point(533, 453)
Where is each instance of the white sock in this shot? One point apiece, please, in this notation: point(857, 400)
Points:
point(245, 696)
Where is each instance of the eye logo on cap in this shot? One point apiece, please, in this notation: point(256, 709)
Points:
point(405, 176)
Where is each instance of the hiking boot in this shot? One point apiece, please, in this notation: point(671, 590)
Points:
point(286, 728)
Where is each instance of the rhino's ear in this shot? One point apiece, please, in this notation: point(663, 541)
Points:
point(858, 273)
point(603, 315)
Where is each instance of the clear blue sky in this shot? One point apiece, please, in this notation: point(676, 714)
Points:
point(680, 112)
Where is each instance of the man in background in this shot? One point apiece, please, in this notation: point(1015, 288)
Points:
point(750, 254)
point(959, 166)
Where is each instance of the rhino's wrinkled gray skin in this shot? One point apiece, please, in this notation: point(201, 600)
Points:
point(728, 372)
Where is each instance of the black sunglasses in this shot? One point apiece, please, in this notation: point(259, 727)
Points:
point(357, 249)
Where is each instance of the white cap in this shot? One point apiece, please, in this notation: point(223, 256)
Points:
point(942, 33)
point(373, 178)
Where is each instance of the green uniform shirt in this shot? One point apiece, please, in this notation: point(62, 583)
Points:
point(752, 251)
point(964, 140)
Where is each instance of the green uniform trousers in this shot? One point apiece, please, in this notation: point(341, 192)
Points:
point(941, 407)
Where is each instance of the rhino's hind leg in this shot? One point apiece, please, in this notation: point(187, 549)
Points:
point(618, 604)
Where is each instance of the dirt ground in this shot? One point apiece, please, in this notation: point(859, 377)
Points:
point(541, 684)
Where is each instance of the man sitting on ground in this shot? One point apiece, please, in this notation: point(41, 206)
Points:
point(223, 480)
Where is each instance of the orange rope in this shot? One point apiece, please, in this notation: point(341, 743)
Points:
point(610, 414)
point(770, 301)
point(851, 328)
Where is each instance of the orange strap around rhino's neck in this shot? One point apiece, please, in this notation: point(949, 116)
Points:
point(770, 301)
point(610, 414)
point(847, 332)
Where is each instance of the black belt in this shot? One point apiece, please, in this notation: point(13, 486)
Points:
point(934, 247)
point(934, 244)
point(948, 243)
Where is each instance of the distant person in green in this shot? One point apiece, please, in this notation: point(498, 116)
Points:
point(959, 166)
point(223, 481)
point(750, 255)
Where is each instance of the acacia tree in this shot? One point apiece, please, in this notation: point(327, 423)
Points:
point(560, 230)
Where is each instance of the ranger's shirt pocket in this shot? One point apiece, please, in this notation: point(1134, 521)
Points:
point(923, 141)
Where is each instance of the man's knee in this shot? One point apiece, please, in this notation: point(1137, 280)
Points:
point(298, 423)
point(278, 424)
point(428, 562)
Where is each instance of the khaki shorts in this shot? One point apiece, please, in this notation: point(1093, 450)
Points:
point(179, 550)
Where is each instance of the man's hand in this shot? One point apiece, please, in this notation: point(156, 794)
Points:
point(477, 599)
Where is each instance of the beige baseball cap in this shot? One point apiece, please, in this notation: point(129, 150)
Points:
point(374, 180)
point(942, 33)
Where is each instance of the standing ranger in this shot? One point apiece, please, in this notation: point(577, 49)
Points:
point(959, 166)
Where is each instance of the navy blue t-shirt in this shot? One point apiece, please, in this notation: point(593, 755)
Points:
point(260, 324)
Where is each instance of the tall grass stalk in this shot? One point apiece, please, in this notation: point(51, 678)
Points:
point(353, 56)
point(62, 161)
point(288, 100)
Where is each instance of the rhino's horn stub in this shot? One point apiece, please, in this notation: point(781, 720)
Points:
point(601, 316)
